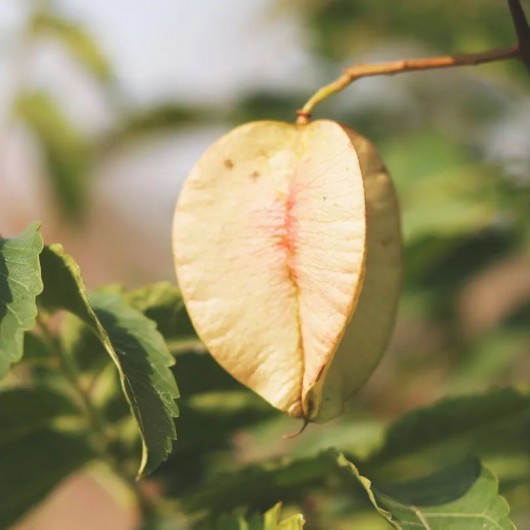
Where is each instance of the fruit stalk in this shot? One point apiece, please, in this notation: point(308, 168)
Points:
point(401, 66)
point(519, 51)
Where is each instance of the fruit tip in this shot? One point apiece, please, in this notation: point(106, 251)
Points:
point(298, 432)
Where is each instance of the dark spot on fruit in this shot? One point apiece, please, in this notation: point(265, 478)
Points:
point(386, 241)
point(229, 164)
point(255, 175)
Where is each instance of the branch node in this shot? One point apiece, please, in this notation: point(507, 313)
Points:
point(303, 117)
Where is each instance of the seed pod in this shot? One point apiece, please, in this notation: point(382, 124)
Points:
point(287, 251)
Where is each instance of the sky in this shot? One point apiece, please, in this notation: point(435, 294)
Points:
point(193, 50)
point(166, 50)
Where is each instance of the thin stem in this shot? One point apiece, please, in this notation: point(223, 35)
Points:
point(399, 67)
point(71, 373)
point(177, 347)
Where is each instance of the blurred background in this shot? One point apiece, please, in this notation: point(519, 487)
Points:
point(105, 106)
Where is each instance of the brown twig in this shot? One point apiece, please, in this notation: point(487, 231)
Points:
point(522, 30)
point(399, 67)
point(520, 51)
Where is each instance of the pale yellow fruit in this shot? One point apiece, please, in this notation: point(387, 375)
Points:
point(272, 232)
point(370, 328)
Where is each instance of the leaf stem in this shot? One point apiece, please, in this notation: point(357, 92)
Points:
point(179, 346)
point(71, 373)
point(355, 72)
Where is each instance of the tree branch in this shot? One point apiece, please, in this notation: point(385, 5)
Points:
point(522, 30)
point(520, 51)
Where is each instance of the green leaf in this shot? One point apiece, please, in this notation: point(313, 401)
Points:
point(491, 356)
point(34, 455)
point(258, 485)
point(163, 303)
point(143, 360)
point(214, 416)
point(272, 520)
point(442, 191)
point(493, 423)
point(63, 285)
point(35, 349)
point(264, 105)
point(34, 465)
point(158, 120)
point(463, 493)
point(24, 410)
point(461, 497)
point(232, 521)
point(268, 521)
point(82, 345)
point(66, 151)
point(133, 343)
point(213, 377)
point(76, 40)
point(210, 425)
point(20, 283)
point(459, 201)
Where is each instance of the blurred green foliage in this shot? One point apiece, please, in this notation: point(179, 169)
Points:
point(343, 26)
point(66, 153)
point(74, 37)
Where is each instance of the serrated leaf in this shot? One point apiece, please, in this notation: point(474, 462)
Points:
point(462, 497)
point(463, 493)
point(64, 287)
point(34, 455)
point(133, 343)
point(143, 360)
point(76, 40)
point(34, 465)
point(163, 303)
point(66, 152)
point(20, 283)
